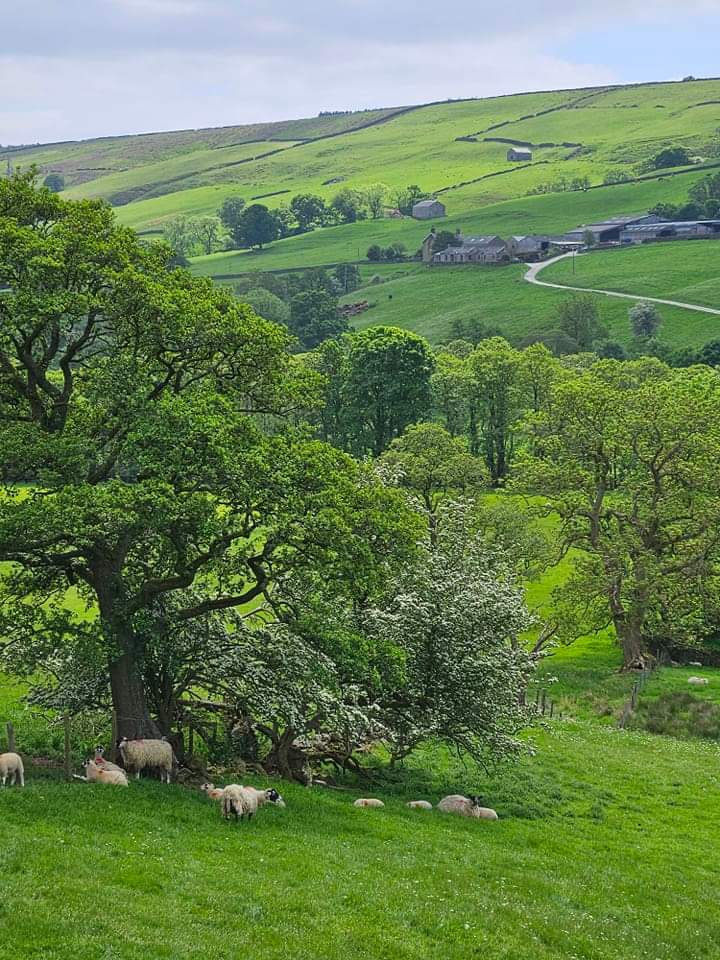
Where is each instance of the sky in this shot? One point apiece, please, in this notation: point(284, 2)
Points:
point(71, 69)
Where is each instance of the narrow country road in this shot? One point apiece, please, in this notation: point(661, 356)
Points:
point(535, 268)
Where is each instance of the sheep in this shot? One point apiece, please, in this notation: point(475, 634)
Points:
point(11, 765)
point(104, 764)
point(239, 801)
point(142, 754)
point(698, 681)
point(96, 774)
point(213, 792)
point(694, 663)
point(466, 807)
point(368, 802)
point(419, 805)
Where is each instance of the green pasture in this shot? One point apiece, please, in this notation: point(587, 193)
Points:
point(683, 270)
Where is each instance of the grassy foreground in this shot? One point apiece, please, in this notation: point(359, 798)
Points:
point(606, 848)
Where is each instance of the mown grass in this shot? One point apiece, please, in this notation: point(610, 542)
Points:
point(428, 301)
point(688, 271)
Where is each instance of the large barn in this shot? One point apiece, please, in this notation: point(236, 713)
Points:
point(608, 231)
point(490, 249)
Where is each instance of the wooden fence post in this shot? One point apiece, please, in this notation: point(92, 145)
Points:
point(10, 737)
point(67, 757)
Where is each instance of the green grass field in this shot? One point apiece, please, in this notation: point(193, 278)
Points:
point(682, 270)
point(427, 300)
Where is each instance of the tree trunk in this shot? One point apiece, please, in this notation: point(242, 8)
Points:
point(128, 696)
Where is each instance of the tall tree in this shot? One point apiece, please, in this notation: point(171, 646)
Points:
point(256, 226)
point(132, 397)
point(626, 456)
point(496, 372)
point(230, 212)
point(206, 231)
point(314, 317)
point(579, 319)
point(645, 320)
point(308, 209)
point(376, 196)
point(387, 385)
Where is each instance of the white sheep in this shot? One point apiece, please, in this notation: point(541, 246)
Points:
point(139, 755)
point(213, 792)
point(698, 681)
point(420, 805)
point(96, 774)
point(242, 801)
point(11, 765)
point(104, 764)
point(694, 663)
point(368, 802)
point(466, 807)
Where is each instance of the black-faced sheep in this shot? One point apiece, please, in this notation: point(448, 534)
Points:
point(420, 805)
point(104, 764)
point(368, 802)
point(11, 765)
point(139, 755)
point(466, 807)
point(240, 801)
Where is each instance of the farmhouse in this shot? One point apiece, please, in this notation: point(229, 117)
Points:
point(670, 230)
point(520, 153)
point(490, 249)
point(428, 210)
point(609, 230)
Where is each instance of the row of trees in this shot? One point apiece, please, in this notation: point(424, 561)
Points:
point(703, 202)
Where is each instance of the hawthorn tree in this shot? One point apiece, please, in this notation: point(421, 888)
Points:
point(132, 399)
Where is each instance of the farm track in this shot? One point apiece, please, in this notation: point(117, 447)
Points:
point(535, 268)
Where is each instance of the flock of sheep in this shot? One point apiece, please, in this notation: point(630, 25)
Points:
point(236, 800)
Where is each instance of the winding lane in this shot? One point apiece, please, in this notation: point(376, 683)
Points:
point(535, 268)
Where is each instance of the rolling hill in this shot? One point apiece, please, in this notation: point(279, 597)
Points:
point(456, 149)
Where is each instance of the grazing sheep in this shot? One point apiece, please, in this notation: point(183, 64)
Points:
point(368, 802)
point(213, 792)
point(104, 764)
point(420, 805)
point(96, 774)
point(11, 765)
point(147, 754)
point(466, 807)
point(698, 681)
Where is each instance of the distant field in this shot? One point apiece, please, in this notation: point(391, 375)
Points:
point(573, 133)
point(427, 300)
point(688, 271)
point(551, 213)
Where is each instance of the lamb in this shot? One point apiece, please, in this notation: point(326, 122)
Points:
point(420, 805)
point(96, 774)
point(368, 802)
point(698, 681)
point(11, 765)
point(151, 754)
point(466, 807)
point(104, 764)
point(213, 792)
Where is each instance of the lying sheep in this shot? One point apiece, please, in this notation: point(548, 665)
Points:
point(419, 805)
point(140, 755)
point(466, 807)
point(11, 765)
point(96, 774)
point(368, 802)
point(698, 681)
point(104, 764)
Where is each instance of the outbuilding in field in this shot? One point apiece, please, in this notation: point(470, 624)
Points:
point(428, 209)
point(520, 154)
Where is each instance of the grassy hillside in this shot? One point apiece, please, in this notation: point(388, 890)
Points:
point(427, 300)
point(682, 270)
point(550, 213)
point(604, 849)
point(574, 133)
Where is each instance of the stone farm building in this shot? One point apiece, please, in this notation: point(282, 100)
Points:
point(520, 153)
point(428, 210)
point(529, 247)
point(490, 249)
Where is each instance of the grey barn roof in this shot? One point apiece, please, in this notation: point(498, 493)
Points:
point(426, 203)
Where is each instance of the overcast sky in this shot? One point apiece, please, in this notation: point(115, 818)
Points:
point(81, 68)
